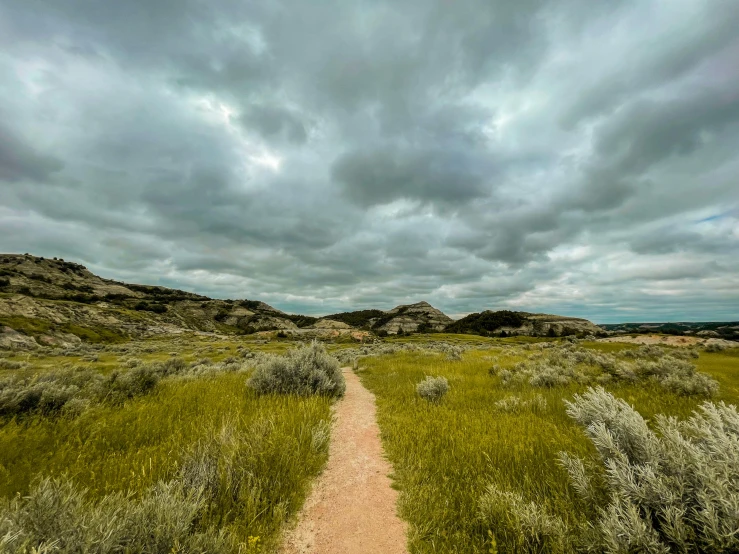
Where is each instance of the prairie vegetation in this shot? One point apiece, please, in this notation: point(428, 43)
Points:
point(143, 451)
point(199, 444)
point(561, 446)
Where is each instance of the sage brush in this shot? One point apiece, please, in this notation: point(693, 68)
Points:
point(433, 389)
point(672, 489)
point(304, 371)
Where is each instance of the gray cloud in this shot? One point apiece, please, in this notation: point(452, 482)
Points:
point(19, 160)
point(675, 51)
point(383, 175)
point(275, 122)
point(571, 157)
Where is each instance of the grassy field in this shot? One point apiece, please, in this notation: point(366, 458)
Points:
point(445, 455)
point(266, 448)
point(252, 457)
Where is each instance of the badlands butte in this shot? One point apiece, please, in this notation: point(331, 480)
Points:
point(56, 302)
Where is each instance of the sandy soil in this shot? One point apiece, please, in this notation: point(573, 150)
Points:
point(670, 340)
point(351, 509)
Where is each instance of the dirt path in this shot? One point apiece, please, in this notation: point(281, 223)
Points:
point(351, 509)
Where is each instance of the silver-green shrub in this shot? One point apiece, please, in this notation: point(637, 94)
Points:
point(122, 386)
point(433, 389)
point(673, 489)
point(305, 370)
point(58, 517)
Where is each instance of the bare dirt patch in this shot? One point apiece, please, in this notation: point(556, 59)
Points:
point(352, 508)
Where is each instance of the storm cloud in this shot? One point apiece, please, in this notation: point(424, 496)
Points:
point(560, 156)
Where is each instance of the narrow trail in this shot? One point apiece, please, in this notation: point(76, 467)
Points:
point(351, 509)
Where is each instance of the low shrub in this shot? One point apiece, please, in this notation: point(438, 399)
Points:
point(172, 366)
point(675, 489)
point(122, 386)
point(12, 364)
point(58, 517)
point(50, 392)
point(45, 394)
point(715, 347)
point(146, 307)
point(305, 370)
point(433, 389)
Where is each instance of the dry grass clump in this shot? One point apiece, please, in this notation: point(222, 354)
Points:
point(433, 389)
point(675, 489)
point(304, 371)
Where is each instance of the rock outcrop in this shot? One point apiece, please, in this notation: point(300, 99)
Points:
point(418, 317)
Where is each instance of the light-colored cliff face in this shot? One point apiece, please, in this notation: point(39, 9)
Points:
point(415, 317)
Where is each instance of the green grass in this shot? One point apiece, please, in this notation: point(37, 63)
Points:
point(28, 325)
point(444, 455)
point(93, 334)
point(35, 327)
point(129, 448)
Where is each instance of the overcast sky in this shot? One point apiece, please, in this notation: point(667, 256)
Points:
point(566, 156)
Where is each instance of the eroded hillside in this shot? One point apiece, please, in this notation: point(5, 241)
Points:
point(52, 301)
point(57, 302)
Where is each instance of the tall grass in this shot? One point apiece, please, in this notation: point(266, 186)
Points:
point(479, 441)
point(145, 443)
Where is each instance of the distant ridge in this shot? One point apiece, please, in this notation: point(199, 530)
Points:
point(58, 302)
